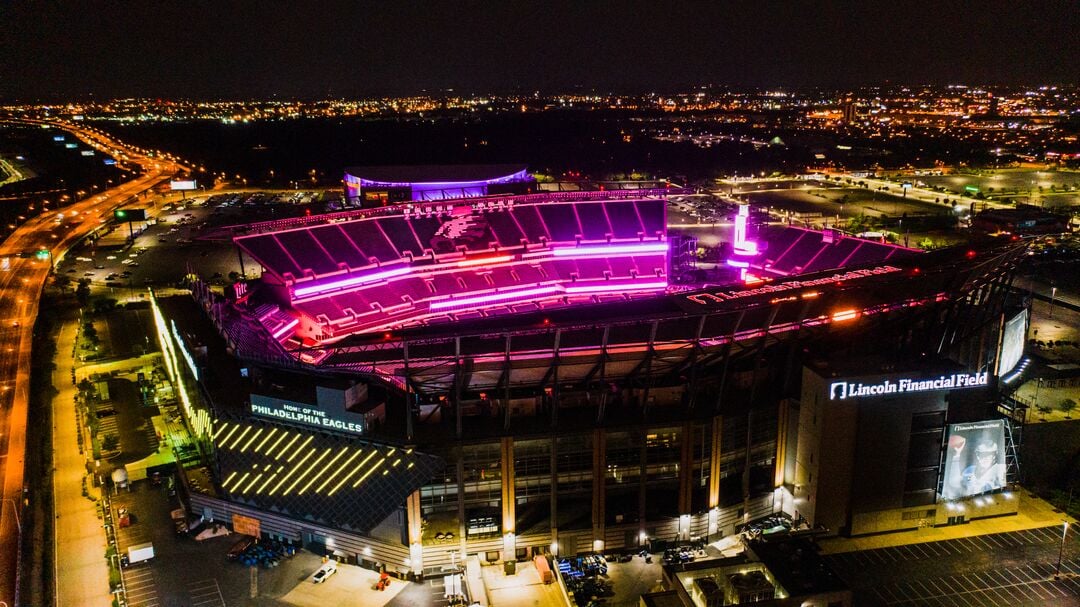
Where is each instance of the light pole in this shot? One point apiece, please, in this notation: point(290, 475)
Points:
point(1061, 549)
point(1053, 294)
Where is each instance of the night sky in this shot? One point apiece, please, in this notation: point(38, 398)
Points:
point(233, 49)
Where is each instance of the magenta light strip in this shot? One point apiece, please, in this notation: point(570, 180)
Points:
point(494, 297)
point(352, 281)
point(610, 249)
point(283, 330)
point(633, 286)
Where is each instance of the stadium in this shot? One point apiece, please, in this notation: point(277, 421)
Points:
point(501, 376)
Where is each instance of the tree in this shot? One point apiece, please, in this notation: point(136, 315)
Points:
point(1067, 405)
point(90, 334)
point(62, 281)
point(102, 306)
point(1043, 410)
point(82, 292)
point(110, 443)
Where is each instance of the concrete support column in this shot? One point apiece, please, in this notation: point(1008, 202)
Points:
point(686, 479)
point(715, 447)
point(643, 481)
point(783, 427)
point(686, 468)
point(554, 506)
point(462, 539)
point(599, 488)
point(509, 500)
point(415, 522)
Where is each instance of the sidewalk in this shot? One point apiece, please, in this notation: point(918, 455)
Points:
point(83, 578)
point(1033, 513)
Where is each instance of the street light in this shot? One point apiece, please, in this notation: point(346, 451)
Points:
point(1053, 294)
point(1061, 549)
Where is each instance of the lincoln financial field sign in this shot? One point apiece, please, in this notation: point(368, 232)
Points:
point(840, 390)
point(299, 413)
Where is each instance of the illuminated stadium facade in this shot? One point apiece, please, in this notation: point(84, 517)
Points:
point(378, 186)
point(507, 375)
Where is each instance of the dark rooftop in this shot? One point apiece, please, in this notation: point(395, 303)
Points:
point(798, 567)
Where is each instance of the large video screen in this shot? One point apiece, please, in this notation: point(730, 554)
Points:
point(974, 459)
point(1012, 343)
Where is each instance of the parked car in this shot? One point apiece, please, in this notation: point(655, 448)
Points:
point(328, 569)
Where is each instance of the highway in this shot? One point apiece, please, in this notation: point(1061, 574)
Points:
point(20, 290)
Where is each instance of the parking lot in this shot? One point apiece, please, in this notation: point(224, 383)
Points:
point(141, 586)
point(1014, 568)
point(1027, 585)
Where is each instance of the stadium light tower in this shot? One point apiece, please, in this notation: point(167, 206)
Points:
point(744, 249)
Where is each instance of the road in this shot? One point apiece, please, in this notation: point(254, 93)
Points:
point(20, 290)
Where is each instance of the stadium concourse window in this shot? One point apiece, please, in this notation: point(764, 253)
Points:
point(574, 464)
point(441, 491)
point(702, 451)
point(532, 469)
point(482, 474)
point(532, 457)
point(663, 453)
point(623, 457)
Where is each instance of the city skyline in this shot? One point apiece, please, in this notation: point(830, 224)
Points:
point(337, 49)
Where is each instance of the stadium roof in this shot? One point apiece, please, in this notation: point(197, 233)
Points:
point(438, 173)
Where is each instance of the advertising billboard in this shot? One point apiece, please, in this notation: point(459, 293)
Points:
point(181, 185)
point(845, 389)
point(974, 459)
point(129, 214)
point(301, 413)
point(246, 525)
point(1012, 343)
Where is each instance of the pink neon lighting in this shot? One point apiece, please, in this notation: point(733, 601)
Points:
point(480, 261)
point(748, 247)
point(610, 249)
point(740, 224)
point(844, 315)
point(283, 330)
point(634, 286)
point(742, 247)
point(501, 296)
point(349, 282)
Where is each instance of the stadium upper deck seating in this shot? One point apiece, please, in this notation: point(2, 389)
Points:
point(451, 263)
point(373, 306)
point(312, 252)
point(797, 251)
point(325, 267)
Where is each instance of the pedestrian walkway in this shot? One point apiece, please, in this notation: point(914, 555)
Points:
point(83, 578)
point(1033, 513)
